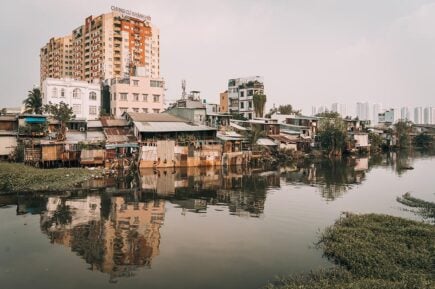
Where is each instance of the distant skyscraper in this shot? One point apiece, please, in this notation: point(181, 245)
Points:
point(377, 109)
point(429, 115)
point(404, 113)
point(342, 110)
point(418, 115)
point(313, 110)
point(362, 110)
point(334, 107)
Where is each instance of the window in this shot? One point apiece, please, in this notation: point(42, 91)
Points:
point(242, 94)
point(135, 109)
point(92, 110)
point(123, 109)
point(155, 110)
point(114, 96)
point(92, 95)
point(242, 104)
point(123, 96)
point(77, 93)
point(77, 109)
point(250, 104)
point(156, 97)
point(250, 92)
point(136, 96)
point(144, 97)
point(156, 83)
point(54, 92)
point(62, 92)
point(135, 82)
point(145, 110)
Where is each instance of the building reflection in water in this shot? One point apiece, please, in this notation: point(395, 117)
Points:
point(116, 229)
point(193, 189)
point(110, 234)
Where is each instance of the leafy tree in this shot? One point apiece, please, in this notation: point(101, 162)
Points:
point(424, 140)
point(61, 112)
point(259, 104)
point(284, 109)
point(254, 134)
point(403, 129)
point(329, 114)
point(332, 134)
point(375, 141)
point(33, 102)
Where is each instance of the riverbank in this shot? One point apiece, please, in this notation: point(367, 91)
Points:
point(373, 251)
point(16, 177)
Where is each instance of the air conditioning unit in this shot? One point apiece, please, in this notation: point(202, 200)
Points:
point(82, 129)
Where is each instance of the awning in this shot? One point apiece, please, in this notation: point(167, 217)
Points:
point(35, 119)
point(266, 142)
point(121, 145)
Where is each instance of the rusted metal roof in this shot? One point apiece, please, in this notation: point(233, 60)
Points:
point(108, 122)
point(154, 117)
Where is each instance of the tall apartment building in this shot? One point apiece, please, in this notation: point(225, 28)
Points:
point(418, 115)
point(340, 108)
point(107, 46)
point(56, 59)
point(429, 115)
point(404, 113)
point(362, 111)
point(241, 95)
point(377, 109)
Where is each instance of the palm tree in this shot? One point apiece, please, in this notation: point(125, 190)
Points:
point(33, 102)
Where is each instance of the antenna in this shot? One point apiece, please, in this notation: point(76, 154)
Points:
point(183, 88)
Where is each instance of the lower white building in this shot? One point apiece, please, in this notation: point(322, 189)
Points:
point(83, 97)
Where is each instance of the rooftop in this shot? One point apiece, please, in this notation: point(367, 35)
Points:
point(153, 117)
point(170, 126)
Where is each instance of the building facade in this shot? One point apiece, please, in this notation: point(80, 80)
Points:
point(223, 99)
point(418, 115)
point(106, 46)
point(136, 94)
point(83, 97)
point(429, 115)
point(56, 58)
point(241, 95)
point(363, 111)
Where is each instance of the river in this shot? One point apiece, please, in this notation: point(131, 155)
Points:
point(198, 228)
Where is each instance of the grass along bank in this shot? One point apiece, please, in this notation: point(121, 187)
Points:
point(373, 251)
point(21, 178)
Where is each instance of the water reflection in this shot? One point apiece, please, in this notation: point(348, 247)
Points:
point(116, 227)
point(110, 234)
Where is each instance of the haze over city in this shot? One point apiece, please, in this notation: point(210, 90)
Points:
point(309, 52)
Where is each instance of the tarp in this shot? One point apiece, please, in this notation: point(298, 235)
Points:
point(35, 119)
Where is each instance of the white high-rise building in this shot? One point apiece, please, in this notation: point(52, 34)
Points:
point(342, 110)
point(313, 111)
point(404, 113)
point(377, 109)
point(429, 115)
point(418, 115)
point(334, 107)
point(362, 110)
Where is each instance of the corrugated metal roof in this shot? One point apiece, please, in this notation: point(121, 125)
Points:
point(8, 118)
point(107, 122)
point(229, 135)
point(154, 117)
point(266, 142)
point(94, 124)
point(170, 127)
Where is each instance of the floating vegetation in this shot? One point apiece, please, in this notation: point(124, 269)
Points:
point(373, 251)
point(423, 208)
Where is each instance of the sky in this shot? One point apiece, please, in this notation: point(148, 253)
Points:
point(310, 52)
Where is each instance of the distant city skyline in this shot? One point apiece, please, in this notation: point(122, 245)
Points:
point(331, 52)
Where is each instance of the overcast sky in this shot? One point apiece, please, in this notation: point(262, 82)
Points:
point(310, 52)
